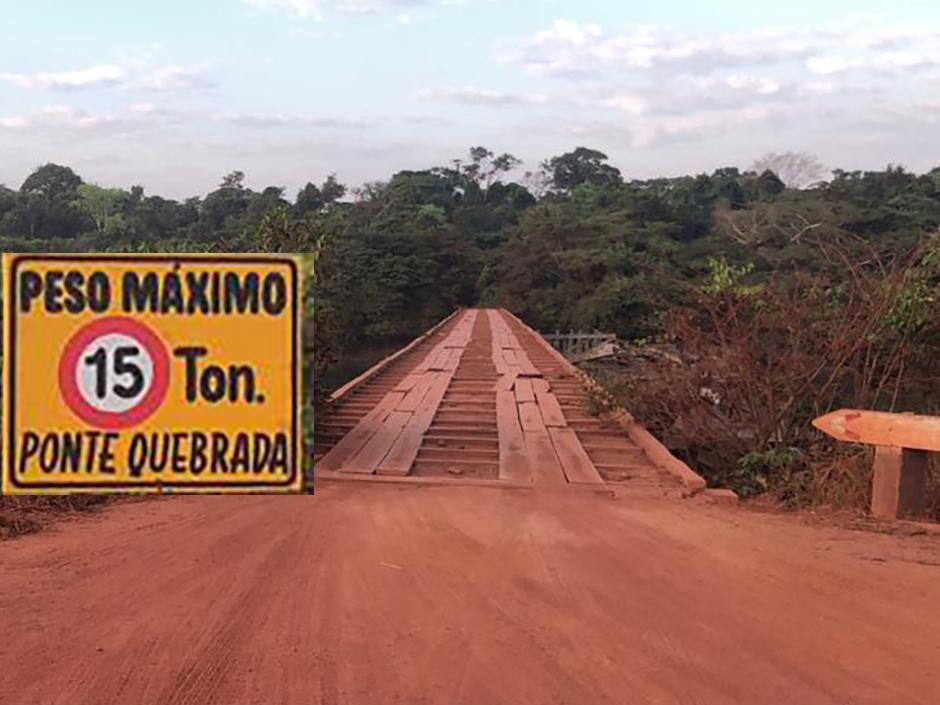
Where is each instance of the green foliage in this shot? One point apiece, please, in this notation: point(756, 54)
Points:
point(758, 469)
point(582, 248)
point(725, 279)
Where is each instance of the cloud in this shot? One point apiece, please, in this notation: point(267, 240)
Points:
point(175, 78)
point(132, 75)
point(650, 84)
point(94, 77)
point(568, 49)
point(477, 97)
point(320, 9)
point(269, 120)
point(65, 122)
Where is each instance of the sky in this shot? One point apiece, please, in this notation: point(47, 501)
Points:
point(174, 94)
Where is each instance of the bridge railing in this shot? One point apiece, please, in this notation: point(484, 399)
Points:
point(575, 344)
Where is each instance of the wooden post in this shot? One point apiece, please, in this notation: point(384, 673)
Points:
point(902, 443)
point(899, 487)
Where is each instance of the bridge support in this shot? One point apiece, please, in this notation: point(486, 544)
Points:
point(900, 483)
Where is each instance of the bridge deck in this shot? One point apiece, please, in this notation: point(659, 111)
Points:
point(481, 397)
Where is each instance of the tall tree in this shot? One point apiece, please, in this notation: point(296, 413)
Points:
point(582, 166)
point(796, 169)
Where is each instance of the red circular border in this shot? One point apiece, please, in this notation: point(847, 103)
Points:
point(148, 405)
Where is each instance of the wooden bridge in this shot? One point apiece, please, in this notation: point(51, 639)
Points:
point(481, 397)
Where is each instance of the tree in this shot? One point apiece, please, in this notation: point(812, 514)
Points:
point(582, 166)
point(485, 167)
point(796, 169)
point(53, 183)
point(769, 185)
point(312, 198)
point(103, 205)
point(234, 180)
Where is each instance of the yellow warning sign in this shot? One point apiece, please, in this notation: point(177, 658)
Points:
point(151, 373)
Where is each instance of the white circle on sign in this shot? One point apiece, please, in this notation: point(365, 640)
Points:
point(114, 373)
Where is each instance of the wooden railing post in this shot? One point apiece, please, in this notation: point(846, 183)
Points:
point(902, 443)
point(899, 484)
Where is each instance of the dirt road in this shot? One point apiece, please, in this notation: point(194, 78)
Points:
point(375, 594)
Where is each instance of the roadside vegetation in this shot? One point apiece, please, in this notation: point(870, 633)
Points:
point(750, 301)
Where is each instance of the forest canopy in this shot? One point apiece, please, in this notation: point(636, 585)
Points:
point(784, 292)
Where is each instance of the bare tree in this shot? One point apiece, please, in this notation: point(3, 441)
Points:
point(795, 169)
point(768, 222)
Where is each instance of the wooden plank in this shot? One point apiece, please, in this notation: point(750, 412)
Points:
point(514, 465)
point(409, 382)
point(531, 418)
point(375, 369)
point(439, 361)
point(373, 453)
point(413, 399)
point(353, 441)
point(404, 452)
point(541, 455)
point(528, 368)
point(510, 357)
point(882, 429)
point(577, 465)
point(552, 414)
point(524, 391)
point(454, 361)
point(501, 367)
point(507, 381)
point(541, 386)
point(899, 483)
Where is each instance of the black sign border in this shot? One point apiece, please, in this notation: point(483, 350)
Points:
point(9, 455)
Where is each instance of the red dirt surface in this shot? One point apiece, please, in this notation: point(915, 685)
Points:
point(402, 594)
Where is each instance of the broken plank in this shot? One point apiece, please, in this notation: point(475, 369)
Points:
point(541, 386)
point(524, 391)
point(353, 441)
point(507, 381)
point(404, 452)
point(413, 399)
point(374, 451)
point(514, 465)
point(578, 467)
point(528, 369)
point(552, 414)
